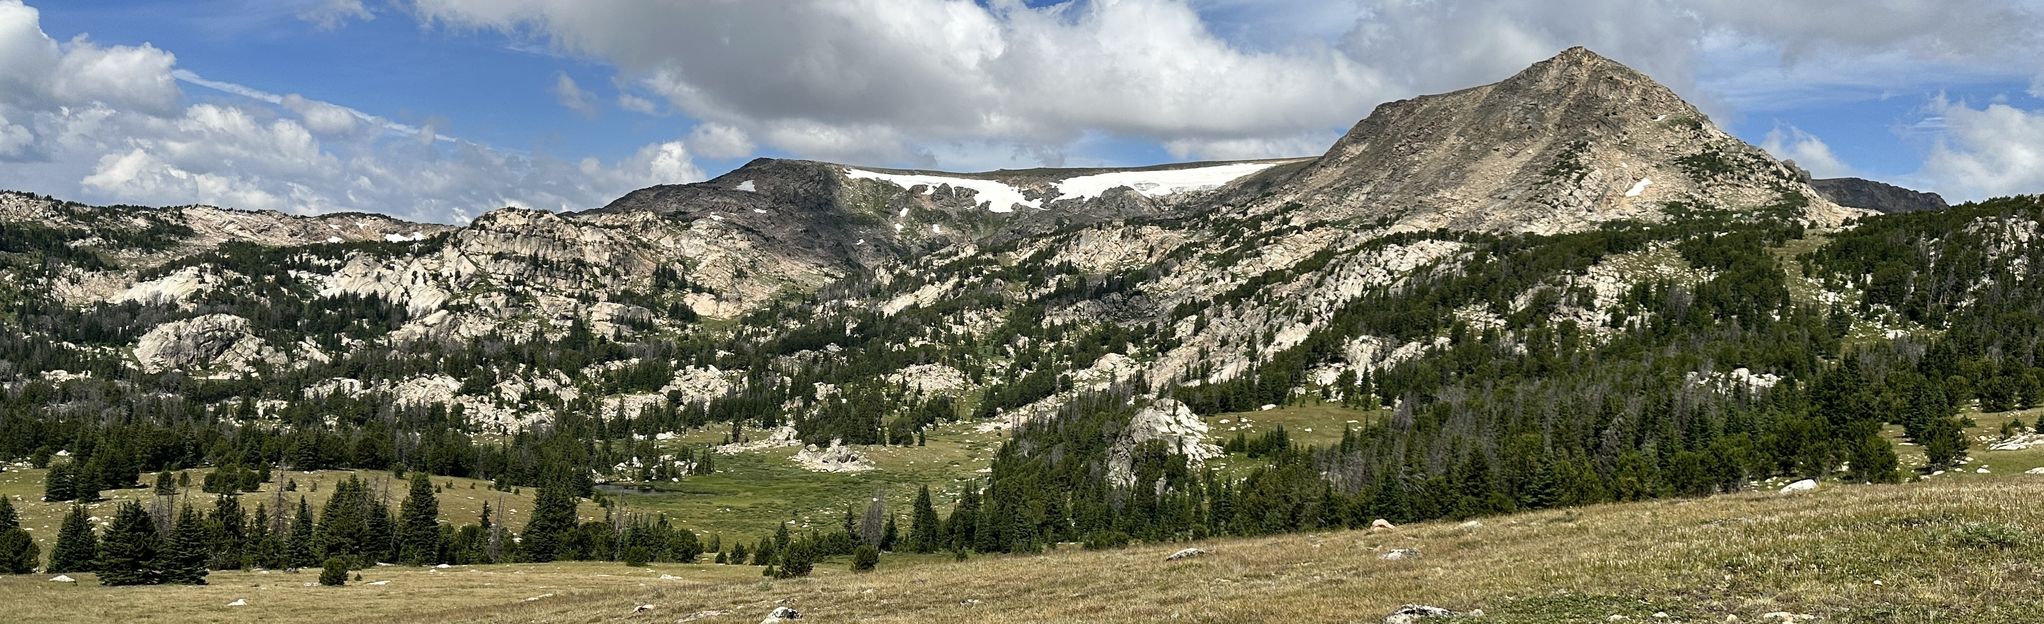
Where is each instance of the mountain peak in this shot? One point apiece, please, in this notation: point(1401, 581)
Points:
point(1568, 143)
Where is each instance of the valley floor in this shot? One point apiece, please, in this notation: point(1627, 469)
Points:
point(1938, 551)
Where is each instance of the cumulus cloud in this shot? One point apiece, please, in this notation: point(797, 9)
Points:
point(322, 117)
point(572, 96)
point(895, 80)
point(882, 79)
point(109, 124)
point(717, 140)
point(1986, 152)
point(1809, 152)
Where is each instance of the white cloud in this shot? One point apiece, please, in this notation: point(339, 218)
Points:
point(108, 124)
point(1986, 152)
point(332, 14)
point(717, 140)
point(637, 104)
point(572, 96)
point(1809, 152)
point(894, 80)
point(322, 117)
point(882, 80)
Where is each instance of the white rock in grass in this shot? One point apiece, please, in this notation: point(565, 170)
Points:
point(1805, 485)
point(1381, 524)
point(1187, 554)
point(1411, 614)
point(2035, 471)
point(781, 614)
point(238, 602)
point(62, 579)
point(1399, 554)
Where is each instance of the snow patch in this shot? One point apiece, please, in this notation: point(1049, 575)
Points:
point(997, 197)
point(1157, 183)
point(747, 187)
point(1639, 187)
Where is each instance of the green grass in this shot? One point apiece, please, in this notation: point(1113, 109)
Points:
point(750, 493)
point(1315, 423)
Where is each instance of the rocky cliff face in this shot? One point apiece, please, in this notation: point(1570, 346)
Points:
point(1877, 196)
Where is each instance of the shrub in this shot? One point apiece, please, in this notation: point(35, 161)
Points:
point(865, 558)
point(335, 573)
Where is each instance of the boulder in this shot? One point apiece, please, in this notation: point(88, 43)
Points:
point(836, 458)
point(214, 341)
point(1166, 420)
point(1381, 524)
point(1399, 554)
point(1411, 614)
point(1187, 554)
point(62, 579)
point(239, 602)
point(1806, 485)
point(781, 614)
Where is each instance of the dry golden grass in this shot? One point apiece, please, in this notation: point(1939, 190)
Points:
point(1944, 551)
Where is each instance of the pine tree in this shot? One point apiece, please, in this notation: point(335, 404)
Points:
point(57, 484)
point(303, 549)
point(796, 560)
point(184, 556)
point(130, 552)
point(419, 523)
point(922, 526)
point(18, 552)
point(164, 485)
point(76, 545)
point(1944, 443)
point(380, 541)
point(553, 517)
point(227, 530)
point(891, 536)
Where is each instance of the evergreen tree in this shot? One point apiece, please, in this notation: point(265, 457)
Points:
point(796, 560)
point(1944, 443)
point(922, 526)
point(419, 523)
point(18, 551)
point(77, 545)
point(185, 553)
point(130, 553)
point(303, 548)
point(57, 484)
point(891, 535)
point(227, 530)
point(343, 529)
point(164, 485)
point(380, 540)
point(553, 518)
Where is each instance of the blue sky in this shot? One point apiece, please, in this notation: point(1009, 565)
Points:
point(318, 105)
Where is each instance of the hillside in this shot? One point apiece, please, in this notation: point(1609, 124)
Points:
point(1563, 290)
